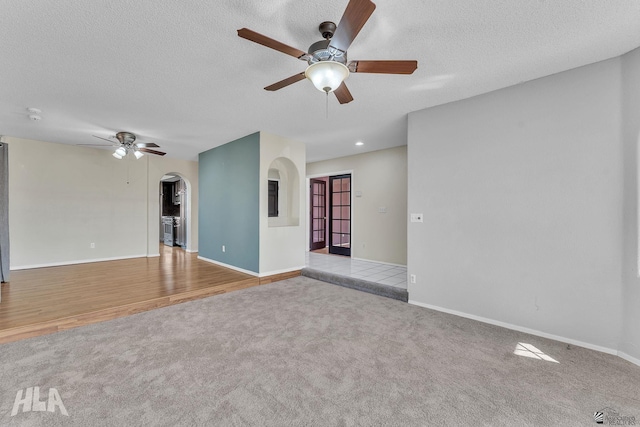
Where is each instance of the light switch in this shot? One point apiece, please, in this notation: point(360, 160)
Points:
point(417, 217)
point(358, 193)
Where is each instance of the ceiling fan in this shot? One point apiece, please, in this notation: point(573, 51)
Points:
point(327, 59)
point(125, 142)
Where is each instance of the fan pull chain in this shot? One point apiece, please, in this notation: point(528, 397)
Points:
point(327, 105)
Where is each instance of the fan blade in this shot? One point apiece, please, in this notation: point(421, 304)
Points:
point(286, 82)
point(146, 144)
point(147, 150)
point(105, 139)
point(355, 16)
point(383, 67)
point(96, 145)
point(343, 94)
point(248, 34)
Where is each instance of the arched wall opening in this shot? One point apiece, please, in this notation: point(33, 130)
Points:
point(285, 173)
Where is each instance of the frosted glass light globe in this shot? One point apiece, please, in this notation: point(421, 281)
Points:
point(327, 76)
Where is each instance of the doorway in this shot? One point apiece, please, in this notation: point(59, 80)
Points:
point(330, 214)
point(173, 214)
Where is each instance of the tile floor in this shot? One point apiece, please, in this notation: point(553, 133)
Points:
point(385, 274)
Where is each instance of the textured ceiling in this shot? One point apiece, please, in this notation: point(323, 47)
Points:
point(176, 73)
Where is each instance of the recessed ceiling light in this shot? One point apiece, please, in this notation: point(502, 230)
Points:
point(34, 110)
point(359, 143)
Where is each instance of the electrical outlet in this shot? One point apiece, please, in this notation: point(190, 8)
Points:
point(92, 245)
point(413, 278)
point(224, 249)
point(382, 209)
point(417, 217)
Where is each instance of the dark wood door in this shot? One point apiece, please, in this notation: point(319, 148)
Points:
point(340, 215)
point(318, 214)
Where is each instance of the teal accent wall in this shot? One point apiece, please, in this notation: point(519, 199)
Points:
point(229, 196)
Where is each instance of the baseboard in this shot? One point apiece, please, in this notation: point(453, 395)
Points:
point(628, 358)
point(232, 267)
point(191, 251)
point(518, 328)
point(266, 279)
point(277, 272)
point(82, 261)
point(379, 262)
point(152, 255)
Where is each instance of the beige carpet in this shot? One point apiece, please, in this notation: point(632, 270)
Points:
point(305, 353)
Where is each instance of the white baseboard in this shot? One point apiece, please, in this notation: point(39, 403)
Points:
point(379, 262)
point(518, 328)
point(81, 261)
point(253, 273)
point(232, 267)
point(152, 255)
point(286, 270)
point(628, 358)
point(191, 251)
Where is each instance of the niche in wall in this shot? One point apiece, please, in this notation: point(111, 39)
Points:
point(286, 174)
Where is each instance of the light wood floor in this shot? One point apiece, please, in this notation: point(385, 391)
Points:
point(45, 300)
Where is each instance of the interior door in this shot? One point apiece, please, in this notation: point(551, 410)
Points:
point(340, 215)
point(318, 214)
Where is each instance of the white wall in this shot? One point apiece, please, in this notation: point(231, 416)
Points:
point(630, 341)
point(62, 198)
point(521, 191)
point(381, 176)
point(282, 242)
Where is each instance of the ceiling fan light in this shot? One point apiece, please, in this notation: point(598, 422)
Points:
point(121, 151)
point(138, 154)
point(117, 156)
point(327, 76)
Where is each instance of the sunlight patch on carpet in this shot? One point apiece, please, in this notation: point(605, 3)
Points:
point(528, 350)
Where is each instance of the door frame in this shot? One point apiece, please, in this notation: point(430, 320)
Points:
point(353, 208)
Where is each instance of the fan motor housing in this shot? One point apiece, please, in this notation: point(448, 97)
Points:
point(126, 138)
point(320, 51)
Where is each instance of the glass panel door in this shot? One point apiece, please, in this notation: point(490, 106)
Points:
point(318, 214)
point(340, 215)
